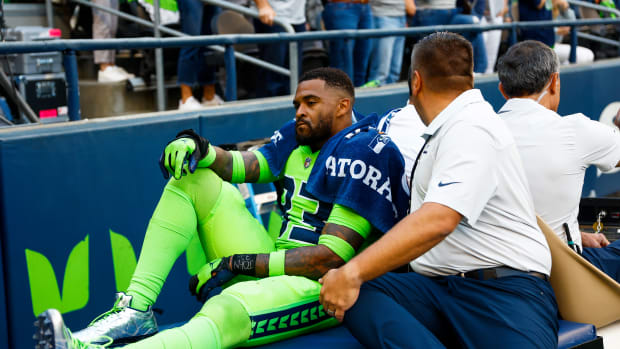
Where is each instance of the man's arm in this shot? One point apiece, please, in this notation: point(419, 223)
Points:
point(342, 235)
point(410, 8)
point(407, 240)
point(224, 161)
point(312, 261)
point(266, 14)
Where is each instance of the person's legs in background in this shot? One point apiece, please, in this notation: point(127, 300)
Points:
point(277, 53)
point(104, 27)
point(492, 40)
point(480, 55)
point(397, 54)
point(191, 67)
point(362, 47)
point(340, 15)
point(386, 54)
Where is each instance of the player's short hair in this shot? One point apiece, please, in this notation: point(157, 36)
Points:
point(334, 78)
point(445, 62)
point(526, 68)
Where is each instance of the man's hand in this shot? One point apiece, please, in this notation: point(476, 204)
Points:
point(339, 292)
point(209, 280)
point(593, 240)
point(266, 14)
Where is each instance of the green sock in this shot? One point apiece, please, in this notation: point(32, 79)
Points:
point(170, 230)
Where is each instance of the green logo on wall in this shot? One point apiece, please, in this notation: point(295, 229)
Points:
point(44, 287)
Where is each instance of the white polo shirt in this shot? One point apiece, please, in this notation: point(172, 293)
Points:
point(471, 164)
point(556, 152)
point(405, 128)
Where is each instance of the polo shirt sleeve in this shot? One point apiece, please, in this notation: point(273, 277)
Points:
point(598, 143)
point(463, 175)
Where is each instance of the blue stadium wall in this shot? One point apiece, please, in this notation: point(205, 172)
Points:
point(68, 189)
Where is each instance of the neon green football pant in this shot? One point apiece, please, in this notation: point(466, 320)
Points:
point(246, 313)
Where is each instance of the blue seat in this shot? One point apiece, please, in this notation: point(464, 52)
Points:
point(571, 335)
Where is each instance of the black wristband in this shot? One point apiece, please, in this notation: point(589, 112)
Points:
point(202, 144)
point(244, 264)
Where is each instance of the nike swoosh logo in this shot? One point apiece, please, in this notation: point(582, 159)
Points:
point(441, 184)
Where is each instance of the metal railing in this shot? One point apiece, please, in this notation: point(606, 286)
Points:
point(69, 47)
point(230, 94)
point(599, 8)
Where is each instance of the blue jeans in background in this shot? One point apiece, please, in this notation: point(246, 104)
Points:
point(195, 20)
point(275, 84)
point(387, 53)
point(349, 55)
point(429, 17)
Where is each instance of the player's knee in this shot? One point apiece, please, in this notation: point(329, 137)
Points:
point(230, 317)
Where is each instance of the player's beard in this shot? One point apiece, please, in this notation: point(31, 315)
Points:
point(317, 134)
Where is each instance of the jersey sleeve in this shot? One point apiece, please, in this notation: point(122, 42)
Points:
point(346, 217)
point(280, 146)
point(463, 173)
point(599, 144)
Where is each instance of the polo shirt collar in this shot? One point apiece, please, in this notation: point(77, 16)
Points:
point(455, 107)
point(522, 105)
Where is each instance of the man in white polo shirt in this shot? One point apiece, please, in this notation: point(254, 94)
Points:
point(556, 151)
point(480, 262)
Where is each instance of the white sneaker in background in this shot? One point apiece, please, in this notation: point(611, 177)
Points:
point(113, 74)
point(190, 104)
point(123, 71)
point(216, 100)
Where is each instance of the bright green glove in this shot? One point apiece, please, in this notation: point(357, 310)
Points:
point(210, 278)
point(184, 153)
point(176, 156)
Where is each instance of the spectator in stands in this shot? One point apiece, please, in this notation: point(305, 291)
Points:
point(494, 13)
point(438, 12)
point(292, 12)
point(314, 10)
point(480, 262)
point(104, 27)
point(556, 151)
point(536, 10)
point(349, 55)
point(192, 67)
point(386, 56)
point(561, 11)
point(328, 219)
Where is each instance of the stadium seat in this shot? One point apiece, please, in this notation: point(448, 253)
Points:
point(571, 335)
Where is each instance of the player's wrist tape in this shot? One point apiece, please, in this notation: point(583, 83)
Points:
point(276, 263)
point(244, 264)
point(339, 246)
point(238, 168)
point(209, 159)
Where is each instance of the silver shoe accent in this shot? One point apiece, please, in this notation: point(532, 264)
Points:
point(122, 323)
point(52, 333)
